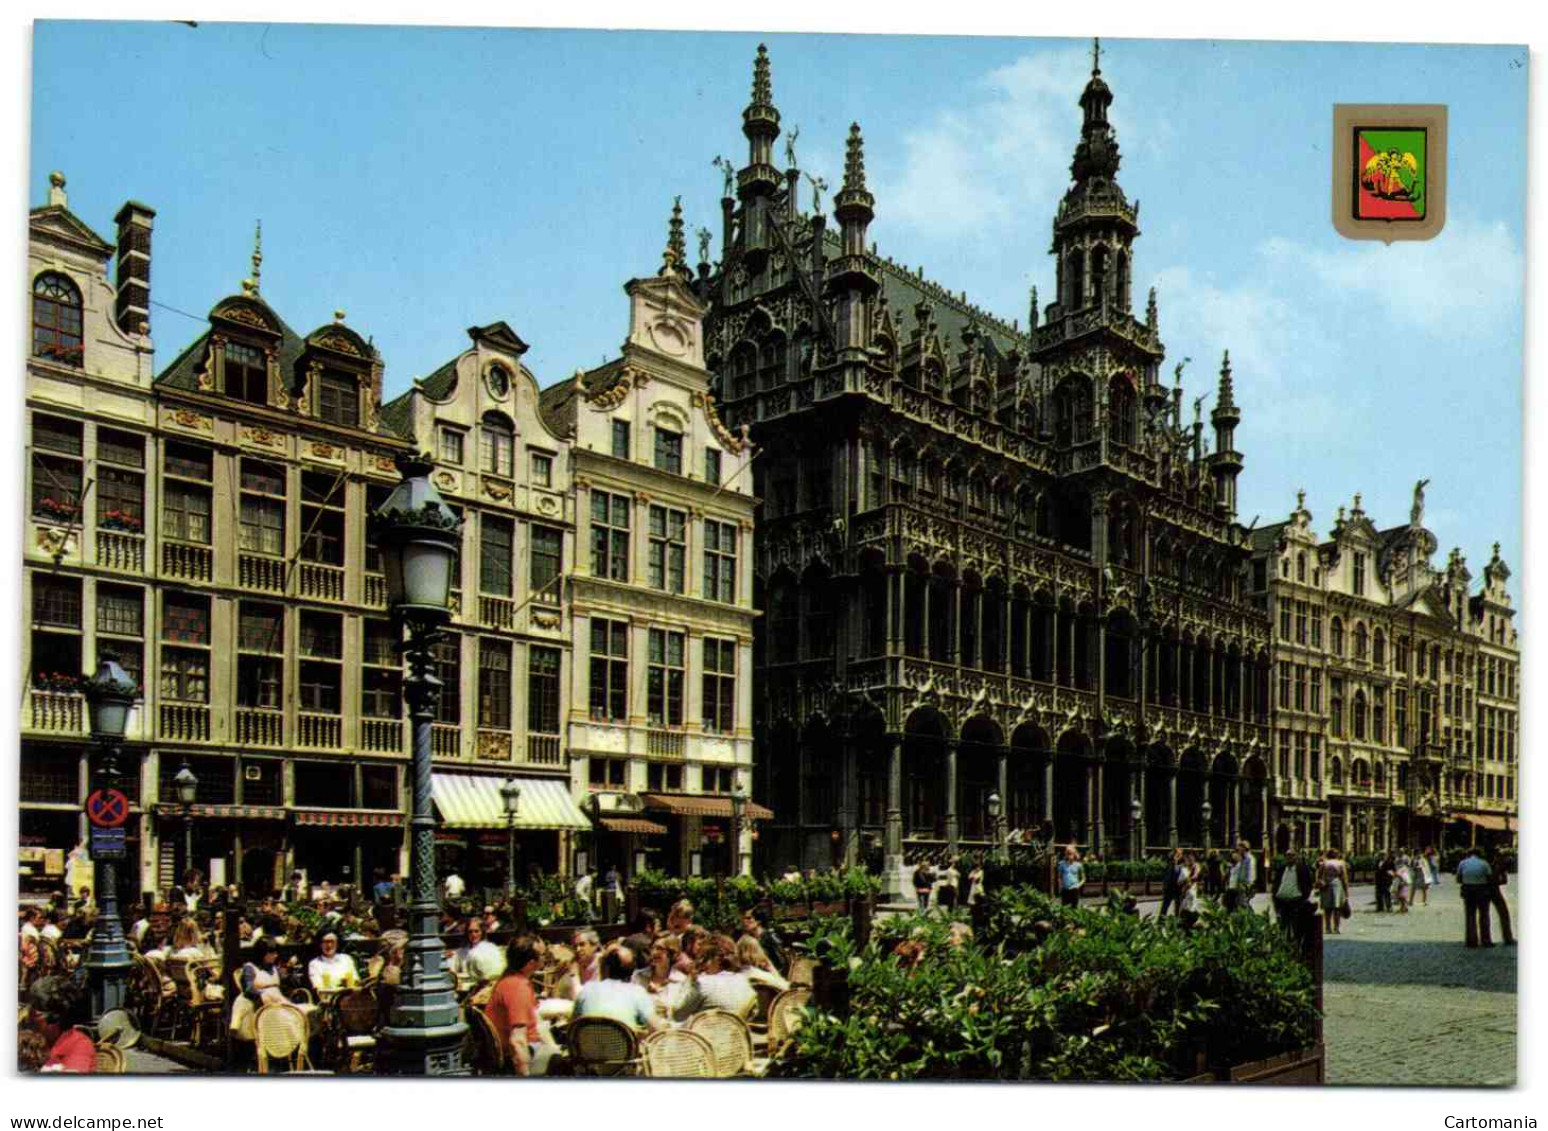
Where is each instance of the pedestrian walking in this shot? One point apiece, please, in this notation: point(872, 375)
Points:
point(1214, 874)
point(1072, 877)
point(1403, 882)
point(1476, 878)
point(1384, 877)
point(1171, 887)
point(1292, 889)
point(1188, 902)
point(1334, 882)
point(1498, 878)
point(1422, 879)
point(924, 882)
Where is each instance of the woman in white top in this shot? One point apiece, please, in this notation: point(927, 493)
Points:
point(717, 983)
point(658, 975)
point(1403, 880)
point(331, 970)
point(756, 964)
point(1423, 878)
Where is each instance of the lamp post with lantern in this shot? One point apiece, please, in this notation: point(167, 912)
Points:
point(738, 810)
point(110, 694)
point(510, 793)
point(1207, 811)
point(996, 809)
point(1136, 839)
point(187, 786)
point(420, 537)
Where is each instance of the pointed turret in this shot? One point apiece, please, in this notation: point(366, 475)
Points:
point(1032, 311)
point(1152, 318)
point(674, 260)
point(850, 278)
point(760, 123)
point(854, 206)
point(1096, 157)
point(1226, 464)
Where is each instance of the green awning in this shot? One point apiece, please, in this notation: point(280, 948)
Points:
point(473, 801)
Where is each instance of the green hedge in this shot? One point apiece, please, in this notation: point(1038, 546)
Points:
point(1049, 993)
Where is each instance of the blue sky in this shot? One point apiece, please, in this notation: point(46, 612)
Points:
point(427, 179)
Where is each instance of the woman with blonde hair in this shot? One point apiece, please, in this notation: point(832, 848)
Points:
point(680, 918)
point(188, 941)
point(756, 964)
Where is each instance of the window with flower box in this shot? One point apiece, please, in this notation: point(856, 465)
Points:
point(120, 500)
point(57, 333)
point(57, 470)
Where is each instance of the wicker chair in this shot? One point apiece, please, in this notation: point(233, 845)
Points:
point(728, 1037)
point(356, 1011)
point(758, 1019)
point(194, 1006)
point(785, 1016)
point(282, 1034)
point(679, 1053)
point(601, 1046)
point(111, 1060)
point(489, 1055)
point(801, 971)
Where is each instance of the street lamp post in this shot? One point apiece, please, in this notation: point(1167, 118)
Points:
point(738, 808)
point(109, 696)
point(419, 536)
point(1136, 812)
point(1208, 811)
point(510, 793)
point(996, 809)
point(187, 786)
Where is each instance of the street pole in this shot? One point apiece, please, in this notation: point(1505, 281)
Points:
point(108, 961)
point(510, 856)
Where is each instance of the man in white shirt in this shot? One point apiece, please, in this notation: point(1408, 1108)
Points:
point(51, 931)
point(32, 924)
point(454, 886)
point(478, 959)
point(616, 995)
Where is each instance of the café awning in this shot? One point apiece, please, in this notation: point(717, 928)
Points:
point(473, 801)
point(348, 819)
point(1495, 822)
point(258, 812)
point(702, 805)
point(633, 825)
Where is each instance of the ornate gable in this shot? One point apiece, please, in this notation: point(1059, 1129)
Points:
point(57, 224)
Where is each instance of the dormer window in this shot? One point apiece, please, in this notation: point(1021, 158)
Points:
point(338, 398)
point(56, 319)
point(247, 373)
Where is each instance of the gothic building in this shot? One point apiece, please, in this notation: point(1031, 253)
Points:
point(991, 558)
point(1396, 690)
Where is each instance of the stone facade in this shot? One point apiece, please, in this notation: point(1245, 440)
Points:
point(991, 559)
point(660, 725)
point(1395, 714)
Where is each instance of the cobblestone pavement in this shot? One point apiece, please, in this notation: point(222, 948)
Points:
point(1407, 1003)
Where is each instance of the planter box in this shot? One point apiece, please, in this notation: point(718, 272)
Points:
point(1303, 1067)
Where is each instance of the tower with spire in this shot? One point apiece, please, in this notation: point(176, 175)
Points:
point(759, 181)
point(851, 281)
point(1226, 463)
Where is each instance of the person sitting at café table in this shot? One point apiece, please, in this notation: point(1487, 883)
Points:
point(756, 964)
point(188, 942)
point(660, 978)
point(56, 1008)
point(680, 917)
point(476, 947)
point(585, 968)
point(687, 948)
point(716, 982)
point(332, 969)
point(513, 1009)
point(261, 985)
point(615, 994)
point(755, 922)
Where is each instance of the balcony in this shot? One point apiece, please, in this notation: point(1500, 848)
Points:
point(185, 722)
point(182, 561)
point(381, 736)
point(665, 743)
point(120, 551)
point(445, 741)
point(58, 712)
point(376, 590)
point(543, 750)
point(321, 582)
point(321, 732)
point(493, 746)
point(497, 612)
point(266, 574)
point(258, 726)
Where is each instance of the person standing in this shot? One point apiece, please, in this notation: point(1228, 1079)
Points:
point(1422, 879)
point(1171, 888)
point(1246, 874)
point(1072, 877)
point(1499, 877)
point(924, 883)
point(1188, 906)
point(1384, 883)
point(454, 886)
point(1292, 889)
point(1404, 880)
point(1334, 881)
point(1476, 878)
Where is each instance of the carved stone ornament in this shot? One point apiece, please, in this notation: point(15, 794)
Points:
point(732, 442)
point(605, 400)
point(205, 374)
point(53, 541)
point(548, 504)
point(546, 620)
point(245, 314)
point(263, 437)
point(445, 479)
point(340, 343)
point(187, 418)
point(498, 491)
point(324, 450)
point(387, 464)
point(671, 336)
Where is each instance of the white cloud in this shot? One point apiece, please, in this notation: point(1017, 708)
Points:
point(1464, 282)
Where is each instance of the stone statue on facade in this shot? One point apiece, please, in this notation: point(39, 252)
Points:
point(705, 236)
point(727, 173)
point(819, 186)
point(790, 143)
point(1416, 512)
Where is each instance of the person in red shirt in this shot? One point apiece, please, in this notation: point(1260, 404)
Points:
point(512, 1008)
point(57, 1007)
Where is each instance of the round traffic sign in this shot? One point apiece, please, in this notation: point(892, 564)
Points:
point(107, 808)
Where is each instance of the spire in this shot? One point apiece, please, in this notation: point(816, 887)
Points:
point(1151, 318)
point(250, 284)
point(854, 160)
point(762, 84)
point(1097, 154)
point(1032, 314)
point(1224, 402)
point(674, 260)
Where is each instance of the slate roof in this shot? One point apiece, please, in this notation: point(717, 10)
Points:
point(559, 402)
point(1264, 537)
point(182, 373)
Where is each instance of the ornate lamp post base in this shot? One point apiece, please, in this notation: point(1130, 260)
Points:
point(430, 1051)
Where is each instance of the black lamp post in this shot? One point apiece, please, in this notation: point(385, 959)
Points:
point(1136, 813)
point(996, 809)
point(109, 696)
point(187, 787)
point(419, 536)
point(510, 793)
point(1208, 811)
point(738, 808)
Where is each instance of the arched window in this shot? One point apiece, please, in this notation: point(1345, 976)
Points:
point(744, 360)
point(1337, 635)
point(1359, 715)
point(1072, 411)
point(1381, 776)
point(1099, 294)
point(1300, 566)
point(1379, 649)
point(1075, 281)
point(1120, 411)
point(497, 445)
point(977, 496)
point(771, 362)
point(1121, 283)
point(56, 319)
point(1336, 771)
point(1361, 641)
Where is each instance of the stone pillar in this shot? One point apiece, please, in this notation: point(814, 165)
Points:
point(1048, 788)
point(924, 626)
point(1087, 824)
point(955, 656)
point(951, 795)
point(893, 894)
point(1140, 792)
point(1096, 808)
point(1171, 805)
point(1235, 832)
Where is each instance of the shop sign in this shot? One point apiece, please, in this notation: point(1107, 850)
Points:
point(108, 844)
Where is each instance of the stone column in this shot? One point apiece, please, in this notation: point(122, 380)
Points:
point(1087, 823)
point(1171, 805)
point(1235, 833)
point(1048, 788)
point(955, 656)
point(1140, 792)
point(1096, 808)
point(951, 794)
point(893, 894)
point(924, 625)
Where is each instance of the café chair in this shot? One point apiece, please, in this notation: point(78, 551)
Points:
point(728, 1037)
point(678, 1053)
point(601, 1046)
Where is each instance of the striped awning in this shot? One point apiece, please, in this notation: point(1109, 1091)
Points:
point(702, 805)
point(1494, 822)
point(348, 819)
point(260, 812)
point(470, 801)
point(633, 825)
